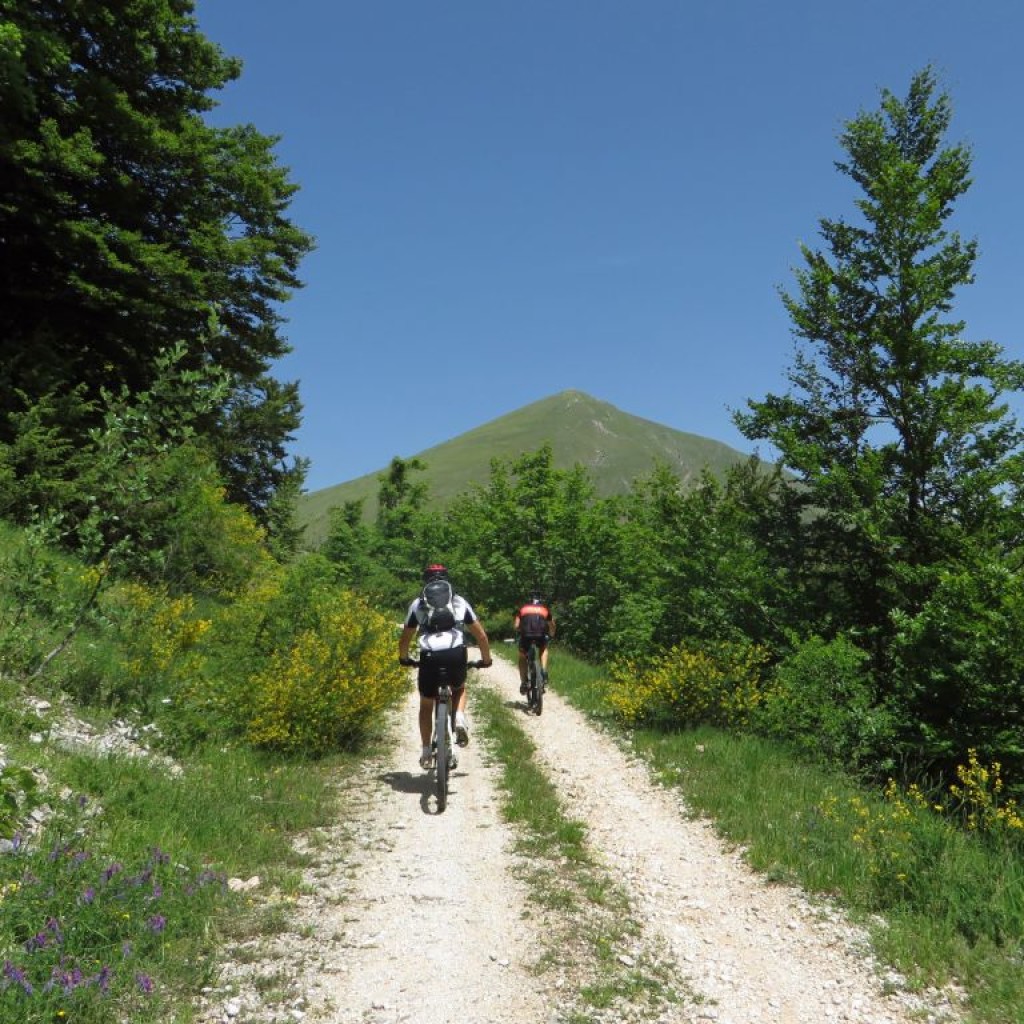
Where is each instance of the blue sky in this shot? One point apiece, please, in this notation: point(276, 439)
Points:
point(515, 197)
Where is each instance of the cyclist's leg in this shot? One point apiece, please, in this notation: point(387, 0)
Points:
point(522, 667)
point(427, 685)
point(544, 657)
point(426, 719)
point(455, 668)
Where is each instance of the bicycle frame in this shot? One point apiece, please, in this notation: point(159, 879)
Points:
point(444, 719)
point(534, 679)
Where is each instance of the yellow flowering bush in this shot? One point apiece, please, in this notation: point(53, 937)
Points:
point(323, 690)
point(714, 685)
point(980, 799)
point(160, 637)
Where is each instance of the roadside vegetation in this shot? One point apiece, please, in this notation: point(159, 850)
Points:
point(936, 876)
point(115, 900)
point(850, 625)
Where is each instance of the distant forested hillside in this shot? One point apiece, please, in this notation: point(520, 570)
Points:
point(614, 447)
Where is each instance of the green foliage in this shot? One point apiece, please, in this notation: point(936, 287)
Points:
point(294, 663)
point(128, 220)
point(822, 701)
point(696, 557)
point(958, 666)
point(714, 685)
point(44, 597)
point(521, 532)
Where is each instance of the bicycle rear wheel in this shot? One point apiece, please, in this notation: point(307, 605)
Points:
point(441, 753)
point(536, 698)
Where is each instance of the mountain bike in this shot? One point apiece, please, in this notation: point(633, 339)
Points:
point(536, 679)
point(441, 744)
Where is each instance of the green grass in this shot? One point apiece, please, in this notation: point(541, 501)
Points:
point(118, 909)
point(587, 917)
point(952, 901)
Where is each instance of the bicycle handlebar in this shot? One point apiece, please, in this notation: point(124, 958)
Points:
point(414, 663)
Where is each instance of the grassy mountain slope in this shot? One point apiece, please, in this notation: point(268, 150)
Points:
point(615, 447)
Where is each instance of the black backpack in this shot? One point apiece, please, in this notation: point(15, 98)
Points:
point(438, 606)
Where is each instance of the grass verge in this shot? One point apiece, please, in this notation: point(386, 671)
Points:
point(114, 908)
point(945, 906)
point(592, 933)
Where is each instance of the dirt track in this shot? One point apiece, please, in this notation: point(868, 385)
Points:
point(420, 917)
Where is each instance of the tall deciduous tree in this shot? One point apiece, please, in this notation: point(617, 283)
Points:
point(896, 424)
point(128, 224)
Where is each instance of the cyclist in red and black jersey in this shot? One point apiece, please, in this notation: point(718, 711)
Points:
point(533, 623)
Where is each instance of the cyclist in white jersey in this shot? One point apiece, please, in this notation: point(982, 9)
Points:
point(437, 648)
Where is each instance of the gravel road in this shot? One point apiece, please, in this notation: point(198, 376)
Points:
point(419, 917)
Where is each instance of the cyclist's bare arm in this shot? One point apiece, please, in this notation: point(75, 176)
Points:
point(405, 640)
point(483, 642)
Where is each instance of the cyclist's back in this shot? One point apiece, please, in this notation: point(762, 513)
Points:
point(534, 624)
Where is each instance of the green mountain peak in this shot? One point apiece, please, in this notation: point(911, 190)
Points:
point(616, 448)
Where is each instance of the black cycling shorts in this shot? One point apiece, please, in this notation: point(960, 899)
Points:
point(540, 641)
point(448, 664)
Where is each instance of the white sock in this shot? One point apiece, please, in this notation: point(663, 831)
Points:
point(460, 718)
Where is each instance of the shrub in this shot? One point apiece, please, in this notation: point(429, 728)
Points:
point(323, 691)
point(958, 669)
point(44, 597)
point(718, 684)
point(160, 635)
point(295, 663)
point(822, 702)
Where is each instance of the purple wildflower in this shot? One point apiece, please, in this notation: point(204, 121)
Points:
point(17, 975)
point(126, 949)
point(157, 923)
point(89, 895)
point(103, 978)
point(67, 980)
point(114, 869)
point(145, 983)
